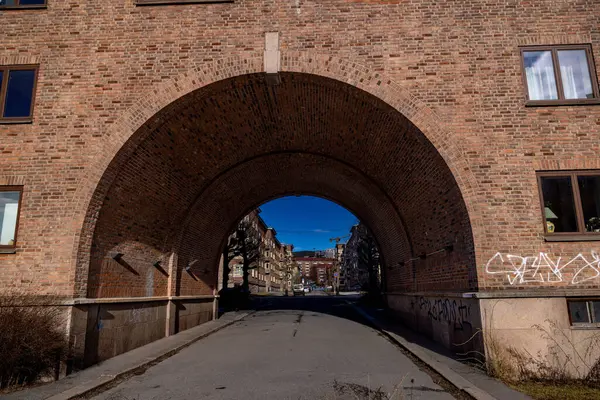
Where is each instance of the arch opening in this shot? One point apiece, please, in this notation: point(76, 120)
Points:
point(298, 244)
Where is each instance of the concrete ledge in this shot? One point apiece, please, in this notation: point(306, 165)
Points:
point(451, 376)
point(116, 369)
point(504, 294)
point(114, 300)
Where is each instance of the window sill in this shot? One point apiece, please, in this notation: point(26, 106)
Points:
point(27, 7)
point(16, 121)
point(8, 251)
point(177, 2)
point(546, 103)
point(572, 238)
point(584, 327)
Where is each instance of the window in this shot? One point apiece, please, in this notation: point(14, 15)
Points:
point(237, 270)
point(22, 3)
point(17, 92)
point(559, 75)
point(584, 312)
point(570, 204)
point(10, 204)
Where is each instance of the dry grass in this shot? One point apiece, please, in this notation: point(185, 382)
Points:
point(352, 391)
point(549, 391)
point(32, 340)
point(569, 371)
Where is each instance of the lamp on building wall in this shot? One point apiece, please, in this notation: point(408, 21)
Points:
point(549, 214)
point(115, 255)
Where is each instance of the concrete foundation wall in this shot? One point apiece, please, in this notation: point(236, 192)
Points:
point(451, 321)
point(113, 329)
point(192, 313)
point(103, 330)
point(539, 329)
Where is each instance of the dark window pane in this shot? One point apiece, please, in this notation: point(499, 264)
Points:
point(1, 76)
point(595, 310)
point(539, 70)
point(31, 2)
point(575, 74)
point(8, 2)
point(19, 93)
point(579, 312)
point(9, 209)
point(559, 207)
point(589, 188)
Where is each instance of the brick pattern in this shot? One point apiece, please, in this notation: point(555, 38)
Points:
point(113, 76)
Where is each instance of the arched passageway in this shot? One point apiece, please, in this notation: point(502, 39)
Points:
point(219, 151)
point(174, 191)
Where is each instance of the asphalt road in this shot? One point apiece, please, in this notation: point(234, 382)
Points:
point(293, 348)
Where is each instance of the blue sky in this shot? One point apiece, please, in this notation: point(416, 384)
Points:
point(307, 222)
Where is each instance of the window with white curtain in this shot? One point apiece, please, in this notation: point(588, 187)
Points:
point(10, 199)
point(559, 74)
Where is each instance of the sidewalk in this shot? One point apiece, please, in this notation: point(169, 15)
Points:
point(114, 369)
point(468, 379)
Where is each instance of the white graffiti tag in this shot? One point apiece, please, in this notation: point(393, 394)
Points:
point(543, 269)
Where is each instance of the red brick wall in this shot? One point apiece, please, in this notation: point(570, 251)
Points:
point(452, 69)
point(177, 172)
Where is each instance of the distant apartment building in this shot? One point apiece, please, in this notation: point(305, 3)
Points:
point(290, 268)
point(317, 270)
point(354, 275)
point(268, 273)
point(329, 253)
point(339, 256)
point(360, 255)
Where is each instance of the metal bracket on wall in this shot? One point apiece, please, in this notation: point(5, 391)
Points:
point(160, 268)
point(448, 249)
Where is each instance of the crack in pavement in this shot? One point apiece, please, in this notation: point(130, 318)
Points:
point(297, 321)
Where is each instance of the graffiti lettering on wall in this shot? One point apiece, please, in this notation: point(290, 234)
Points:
point(139, 315)
point(446, 310)
point(545, 269)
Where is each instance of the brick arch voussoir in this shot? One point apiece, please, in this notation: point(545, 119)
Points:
point(421, 115)
point(92, 188)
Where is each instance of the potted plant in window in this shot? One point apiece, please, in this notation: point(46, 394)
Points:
point(593, 224)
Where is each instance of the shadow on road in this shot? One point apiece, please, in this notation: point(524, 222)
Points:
point(346, 307)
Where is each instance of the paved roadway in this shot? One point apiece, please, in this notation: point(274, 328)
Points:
point(296, 348)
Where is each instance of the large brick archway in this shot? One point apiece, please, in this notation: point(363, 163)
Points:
point(149, 115)
point(183, 178)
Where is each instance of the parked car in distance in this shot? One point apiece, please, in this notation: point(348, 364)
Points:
point(298, 289)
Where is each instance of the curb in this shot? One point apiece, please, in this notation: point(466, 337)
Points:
point(446, 372)
point(106, 380)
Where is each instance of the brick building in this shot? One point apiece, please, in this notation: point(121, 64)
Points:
point(340, 282)
point(317, 270)
point(354, 263)
point(268, 273)
point(355, 275)
point(134, 134)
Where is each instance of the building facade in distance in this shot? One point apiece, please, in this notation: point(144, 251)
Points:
point(268, 273)
point(316, 270)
